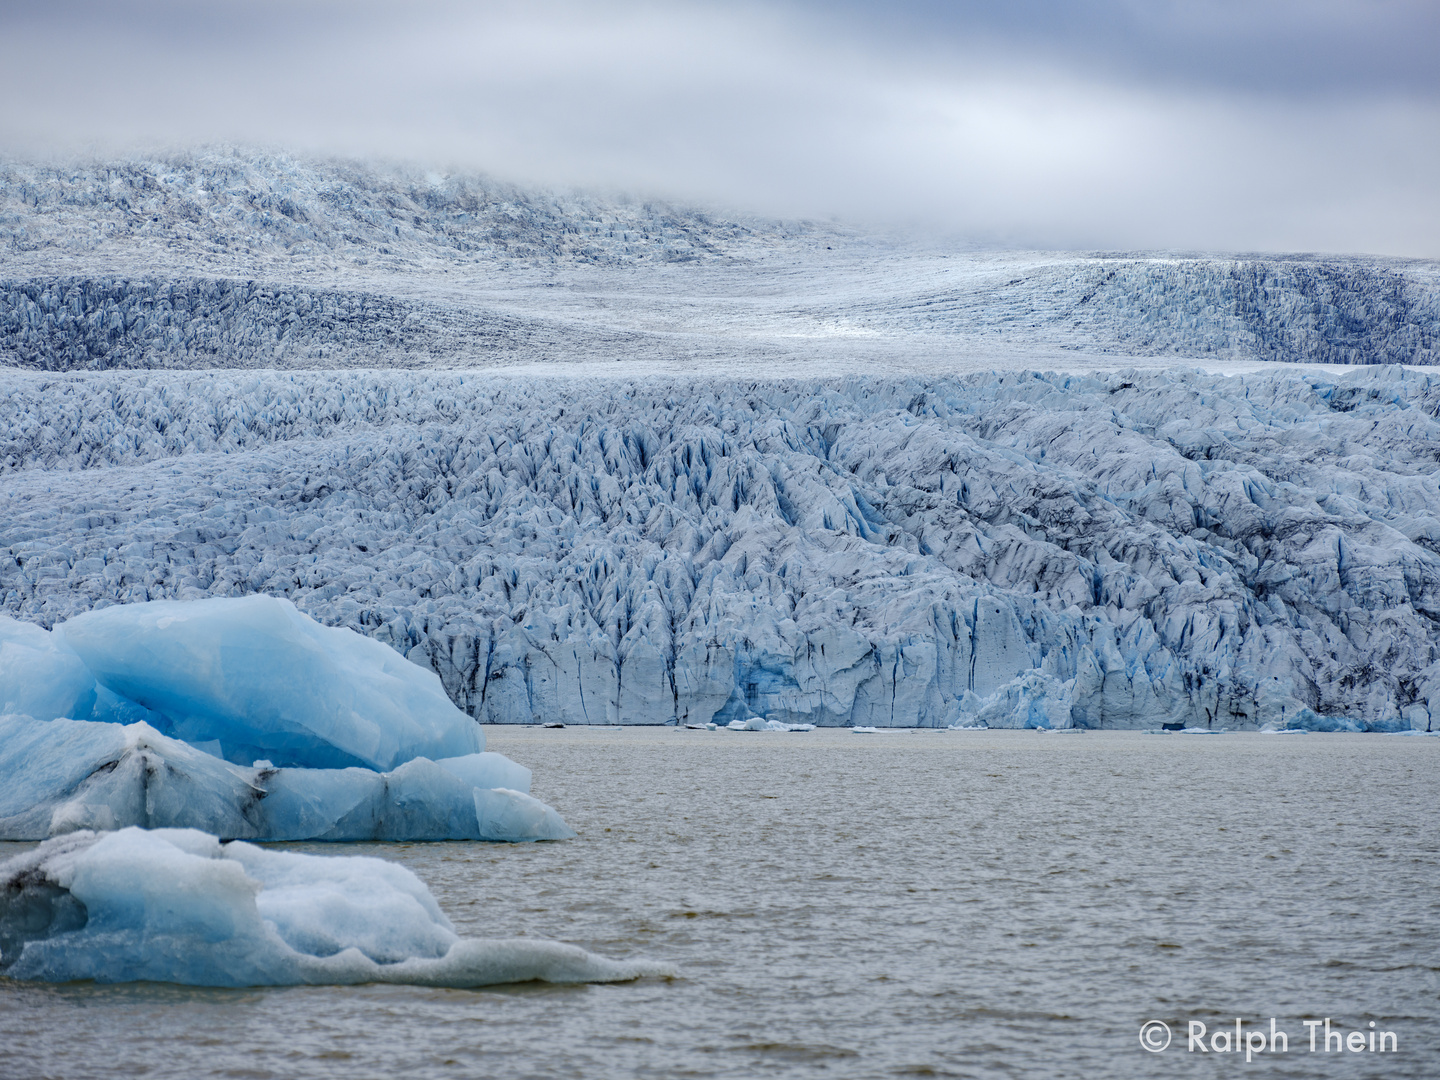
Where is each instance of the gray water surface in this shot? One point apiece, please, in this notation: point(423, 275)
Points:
point(923, 903)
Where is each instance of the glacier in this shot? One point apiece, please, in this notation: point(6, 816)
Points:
point(1103, 549)
point(246, 718)
point(236, 258)
point(601, 461)
point(176, 905)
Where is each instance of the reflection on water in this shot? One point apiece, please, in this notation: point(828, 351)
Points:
point(985, 904)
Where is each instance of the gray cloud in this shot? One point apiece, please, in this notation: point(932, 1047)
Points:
point(1294, 48)
point(1107, 124)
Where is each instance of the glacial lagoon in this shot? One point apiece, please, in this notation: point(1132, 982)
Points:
point(920, 903)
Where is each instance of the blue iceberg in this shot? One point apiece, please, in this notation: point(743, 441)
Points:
point(64, 775)
point(265, 680)
point(249, 720)
point(176, 905)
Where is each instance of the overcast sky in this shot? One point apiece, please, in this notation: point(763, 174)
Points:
point(1308, 125)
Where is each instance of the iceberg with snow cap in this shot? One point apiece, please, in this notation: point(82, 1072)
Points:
point(245, 718)
point(175, 905)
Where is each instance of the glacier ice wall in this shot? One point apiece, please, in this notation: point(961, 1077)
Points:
point(175, 905)
point(1104, 550)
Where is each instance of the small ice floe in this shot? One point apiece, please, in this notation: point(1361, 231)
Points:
point(977, 725)
point(178, 906)
point(1412, 732)
point(757, 723)
point(1186, 731)
point(1060, 730)
point(880, 730)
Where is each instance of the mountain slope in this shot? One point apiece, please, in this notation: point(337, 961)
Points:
point(236, 259)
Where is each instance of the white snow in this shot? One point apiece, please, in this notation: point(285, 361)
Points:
point(243, 259)
point(178, 906)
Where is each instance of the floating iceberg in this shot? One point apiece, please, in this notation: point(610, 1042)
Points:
point(759, 723)
point(63, 775)
point(175, 905)
point(245, 718)
point(264, 680)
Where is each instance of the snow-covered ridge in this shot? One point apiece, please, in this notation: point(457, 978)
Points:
point(1107, 550)
point(237, 207)
point(95, 324)
point(1326, 312)
point(239, 259)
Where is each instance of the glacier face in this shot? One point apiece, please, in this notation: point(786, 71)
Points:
point(175, 905)
point(1027, 549)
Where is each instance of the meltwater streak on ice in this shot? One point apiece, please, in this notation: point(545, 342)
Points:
point(999, 905)
point(175, 906)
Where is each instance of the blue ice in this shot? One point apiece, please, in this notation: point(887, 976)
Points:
point(245, 718)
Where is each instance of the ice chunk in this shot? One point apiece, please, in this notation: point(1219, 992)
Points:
point(178, 906)
point(418, 801)
point(58, 776)
point(503, 814)
point(266, 680)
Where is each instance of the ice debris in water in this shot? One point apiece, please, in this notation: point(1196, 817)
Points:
point(177, 714)
point(175, 905)
point(757, 723)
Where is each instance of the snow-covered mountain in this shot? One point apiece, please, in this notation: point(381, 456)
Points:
point(232, 259)
point(1106, 550)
